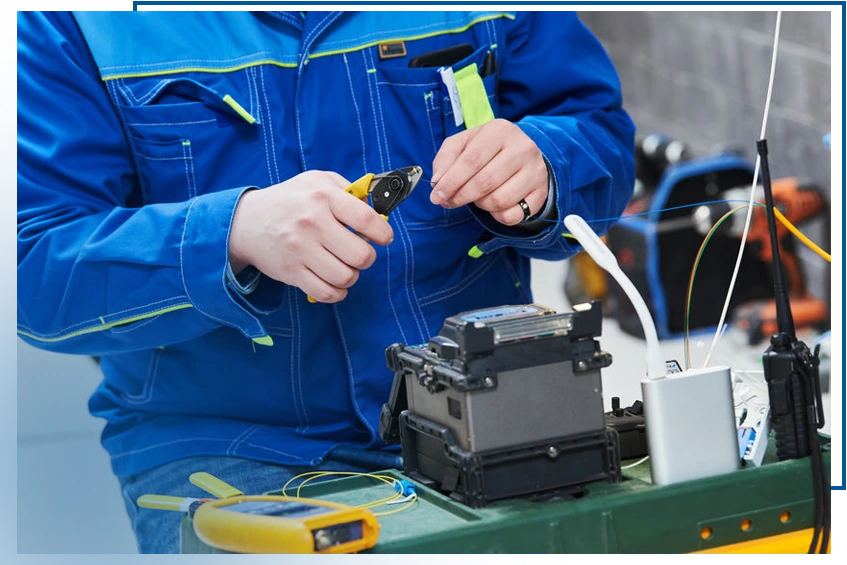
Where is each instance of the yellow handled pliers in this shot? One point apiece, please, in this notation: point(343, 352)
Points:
point(387, 190)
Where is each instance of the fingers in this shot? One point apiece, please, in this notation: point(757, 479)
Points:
point(509, 193)
point(460, 158)
point(493, 166)
point(297, 232)
point(352, 212)
point(488, 181)
point(449, 151)
point(341, 254)
point(332, 270)
point(317, 288)
point(334, 267)
point(351, 249)
point(514, 215)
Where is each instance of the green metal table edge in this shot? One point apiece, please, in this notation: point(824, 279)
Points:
point(633, 516)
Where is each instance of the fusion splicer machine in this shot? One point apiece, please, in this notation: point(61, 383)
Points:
point(504, 402)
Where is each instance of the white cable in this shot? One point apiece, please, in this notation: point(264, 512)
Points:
point(719, 330)
point(601, 254)
point(636, 464)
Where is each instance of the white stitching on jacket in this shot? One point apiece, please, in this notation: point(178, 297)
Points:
point(261, 74)
point(371, 99)
point(358, 114)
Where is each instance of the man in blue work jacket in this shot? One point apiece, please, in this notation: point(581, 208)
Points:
point(180, 193)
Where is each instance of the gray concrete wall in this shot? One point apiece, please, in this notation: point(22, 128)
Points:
point(702, 77)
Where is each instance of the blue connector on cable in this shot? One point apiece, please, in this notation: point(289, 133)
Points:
point(406, 488)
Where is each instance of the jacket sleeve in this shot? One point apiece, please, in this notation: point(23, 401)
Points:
point(559, 86)
point(99, 273)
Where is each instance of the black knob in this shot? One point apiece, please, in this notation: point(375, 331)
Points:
point(616, 406)
point(781, 341)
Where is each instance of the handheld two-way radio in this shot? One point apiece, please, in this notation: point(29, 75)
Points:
point(791, 371)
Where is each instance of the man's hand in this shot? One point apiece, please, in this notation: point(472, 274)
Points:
point(296, 232)
point(494, 166)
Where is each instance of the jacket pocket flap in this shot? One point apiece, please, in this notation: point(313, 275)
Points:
point(175, 95)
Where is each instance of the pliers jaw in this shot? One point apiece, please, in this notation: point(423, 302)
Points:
point(389, 189)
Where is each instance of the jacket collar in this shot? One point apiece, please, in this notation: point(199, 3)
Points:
point(311, 25)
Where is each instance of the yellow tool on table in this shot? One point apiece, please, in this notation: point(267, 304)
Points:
point(387, 190)
point(270, 524)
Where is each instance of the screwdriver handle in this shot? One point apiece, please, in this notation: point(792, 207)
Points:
point(214, 485)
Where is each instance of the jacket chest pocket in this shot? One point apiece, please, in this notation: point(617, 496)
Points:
point(191, 136)
point(423, 118)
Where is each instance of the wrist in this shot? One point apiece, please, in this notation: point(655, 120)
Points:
point(239, 258)
point(548, 209)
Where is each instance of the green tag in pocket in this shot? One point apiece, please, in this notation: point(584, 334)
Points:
point(475, 106)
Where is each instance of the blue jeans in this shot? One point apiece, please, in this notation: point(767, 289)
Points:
point(157, 531)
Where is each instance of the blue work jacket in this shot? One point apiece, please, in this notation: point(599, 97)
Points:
point(137, 134)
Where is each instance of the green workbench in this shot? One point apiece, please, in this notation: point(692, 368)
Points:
point(751, 505)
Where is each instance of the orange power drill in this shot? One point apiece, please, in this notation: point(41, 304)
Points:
point(797, 202)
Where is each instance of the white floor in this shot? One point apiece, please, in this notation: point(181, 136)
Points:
point(68, 499)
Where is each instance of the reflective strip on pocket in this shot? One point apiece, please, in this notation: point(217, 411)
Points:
point(476, 109)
